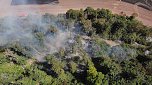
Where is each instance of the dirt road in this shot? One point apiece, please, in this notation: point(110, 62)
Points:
point(6, 9)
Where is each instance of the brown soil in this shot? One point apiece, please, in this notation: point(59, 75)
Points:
point(116, 6)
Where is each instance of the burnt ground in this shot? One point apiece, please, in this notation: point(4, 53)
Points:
point(26, 2)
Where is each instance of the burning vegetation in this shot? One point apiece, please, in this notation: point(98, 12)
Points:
point(81, 47)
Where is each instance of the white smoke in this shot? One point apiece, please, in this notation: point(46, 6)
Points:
point(24, 31)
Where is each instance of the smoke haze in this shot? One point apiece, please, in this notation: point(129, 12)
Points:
point(34, 32)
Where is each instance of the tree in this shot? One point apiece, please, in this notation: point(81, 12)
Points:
point(27, 81)
point(133, 72)
point(94, 77)
point(3, 58)
point(130, 38)
point(99, 25)
point(90, 13)
point(104, 13)
point(102, 27)
point(107, 66)
point(61, 52)
point(117, 30)
point(72, 14)
point(52, 30)
point(100, 48)
point(73, 67)
point(86, 26)
point(56, 65)
point(10, 73)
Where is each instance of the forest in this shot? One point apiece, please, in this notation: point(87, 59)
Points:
point(82, 47)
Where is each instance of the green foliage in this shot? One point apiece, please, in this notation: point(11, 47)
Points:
point(27, 81)
point(73, 67)
point(94, 77)
point(130, 38)
point(56, 65)
point(3, 58)
point(90, 13)
point(117, 30)
point(40, 37)
point(62, 52)
point(107, 66)
point(86, 26)
point(101, 48)
point(99, 25)
point(20, 60)
point(52, 30)
point(73, 14)
point(114, 27)
point(133, 71)
point(104, 13)
point(9, 73)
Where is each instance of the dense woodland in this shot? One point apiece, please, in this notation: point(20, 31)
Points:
point(88, 59)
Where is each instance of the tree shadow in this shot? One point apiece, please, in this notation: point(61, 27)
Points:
point(44, 66)
point(128, 76)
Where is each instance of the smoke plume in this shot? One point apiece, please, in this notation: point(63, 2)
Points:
point(40, 35)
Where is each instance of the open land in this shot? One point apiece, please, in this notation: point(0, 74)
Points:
point(116, 6)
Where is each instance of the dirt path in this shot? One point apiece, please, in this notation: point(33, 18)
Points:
point(116, 6)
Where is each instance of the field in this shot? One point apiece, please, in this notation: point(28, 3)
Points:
point(7, 9)
point(114, 5)
point(142, 3)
